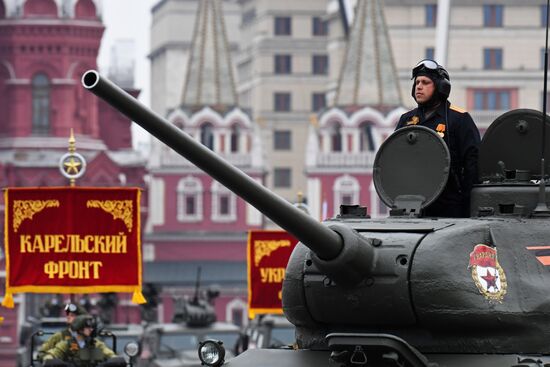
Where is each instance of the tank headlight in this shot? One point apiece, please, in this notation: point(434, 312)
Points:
point(211, 352)
point(131, 349)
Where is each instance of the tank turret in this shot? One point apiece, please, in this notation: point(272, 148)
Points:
point(404, 290)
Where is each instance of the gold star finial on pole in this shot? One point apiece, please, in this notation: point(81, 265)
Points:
point(72, 165)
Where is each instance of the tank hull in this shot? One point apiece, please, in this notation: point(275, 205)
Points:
point(309, 358)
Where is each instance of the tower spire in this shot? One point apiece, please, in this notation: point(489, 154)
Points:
point(209, 79)
point(368, 75)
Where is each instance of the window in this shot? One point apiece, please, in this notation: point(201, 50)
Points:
point(492, 59)
point(237, 316)
point(543, 15)
point(367, 139)
point(336, 138)
point(189, 200)
point(346, 191)
point(320, 26)
point(283, 64)
point(40, 104)
point(319, 64)
point(190, 205)
point(235, 136)
point(207, 135)
point(281, 102)
point(224, 204)
point(282, 140)
point(283, 26)
point(430, 53)
point(492, 15)
point(318, 102)
point(431, 15)
point(492, 99)
point(281, 177)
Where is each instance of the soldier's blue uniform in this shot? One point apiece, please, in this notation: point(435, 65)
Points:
point(462, 137)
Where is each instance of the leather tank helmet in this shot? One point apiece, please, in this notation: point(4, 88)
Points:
point(437, 74)
point(83, 321)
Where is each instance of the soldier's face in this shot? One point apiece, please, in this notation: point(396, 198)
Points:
point(424, 89)
point(87, 331)
point(70, 317)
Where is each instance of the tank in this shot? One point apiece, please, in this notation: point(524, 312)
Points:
point(406, 290)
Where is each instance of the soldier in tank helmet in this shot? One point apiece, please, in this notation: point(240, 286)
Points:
point(82, 349)
point(72, 310)
point(430, 90)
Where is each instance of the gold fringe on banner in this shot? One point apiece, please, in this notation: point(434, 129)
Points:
point(8, 300)
point(137, 297)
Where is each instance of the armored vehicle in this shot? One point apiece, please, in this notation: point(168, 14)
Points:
point(405, 290)
point(194, 321)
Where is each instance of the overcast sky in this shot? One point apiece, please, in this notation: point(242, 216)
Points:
point(129, 19)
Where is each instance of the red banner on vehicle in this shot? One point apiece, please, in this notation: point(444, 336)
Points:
point(72, 240)
point(268, 253)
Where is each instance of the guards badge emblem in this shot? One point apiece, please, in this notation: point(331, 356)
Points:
point(487, 273)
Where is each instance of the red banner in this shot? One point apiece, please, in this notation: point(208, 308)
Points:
point(268, 253)
point(72, 240)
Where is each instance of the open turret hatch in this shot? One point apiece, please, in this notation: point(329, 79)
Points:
point(411, 169)
point(511, 147)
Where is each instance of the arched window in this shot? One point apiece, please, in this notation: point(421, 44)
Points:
point(235, 137)
point(346, 191)
point(336, 138)
point(40, 104)
point(224, 204)
point(85, 9)
point(189, 200)
point(207, 135)
point(367, 139)
point(40, 8)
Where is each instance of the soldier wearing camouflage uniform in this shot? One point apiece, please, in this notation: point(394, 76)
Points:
point(71, 311)
point(82, 349)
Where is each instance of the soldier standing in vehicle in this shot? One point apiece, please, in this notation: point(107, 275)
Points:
point(83, 349)
point(430, 90)
point(71, 311)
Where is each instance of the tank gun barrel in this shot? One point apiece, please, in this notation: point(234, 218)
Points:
point(326, 243)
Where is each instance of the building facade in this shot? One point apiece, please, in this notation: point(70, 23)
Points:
point(288, 56)
point(195, 222)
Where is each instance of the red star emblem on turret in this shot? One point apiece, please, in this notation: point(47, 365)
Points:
point(491, 280)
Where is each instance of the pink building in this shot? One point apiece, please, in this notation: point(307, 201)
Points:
point(45, 46)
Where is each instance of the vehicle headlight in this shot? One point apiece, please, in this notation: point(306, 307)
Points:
point(131, 349)
point(211, 352)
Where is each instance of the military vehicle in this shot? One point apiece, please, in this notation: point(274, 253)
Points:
point(405, 290)
point(194, 321)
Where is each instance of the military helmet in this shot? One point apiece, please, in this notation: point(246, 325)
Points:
point(434, 71)
point(74, 308)
point(82, 321)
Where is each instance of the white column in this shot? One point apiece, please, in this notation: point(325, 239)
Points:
point(442, 31)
